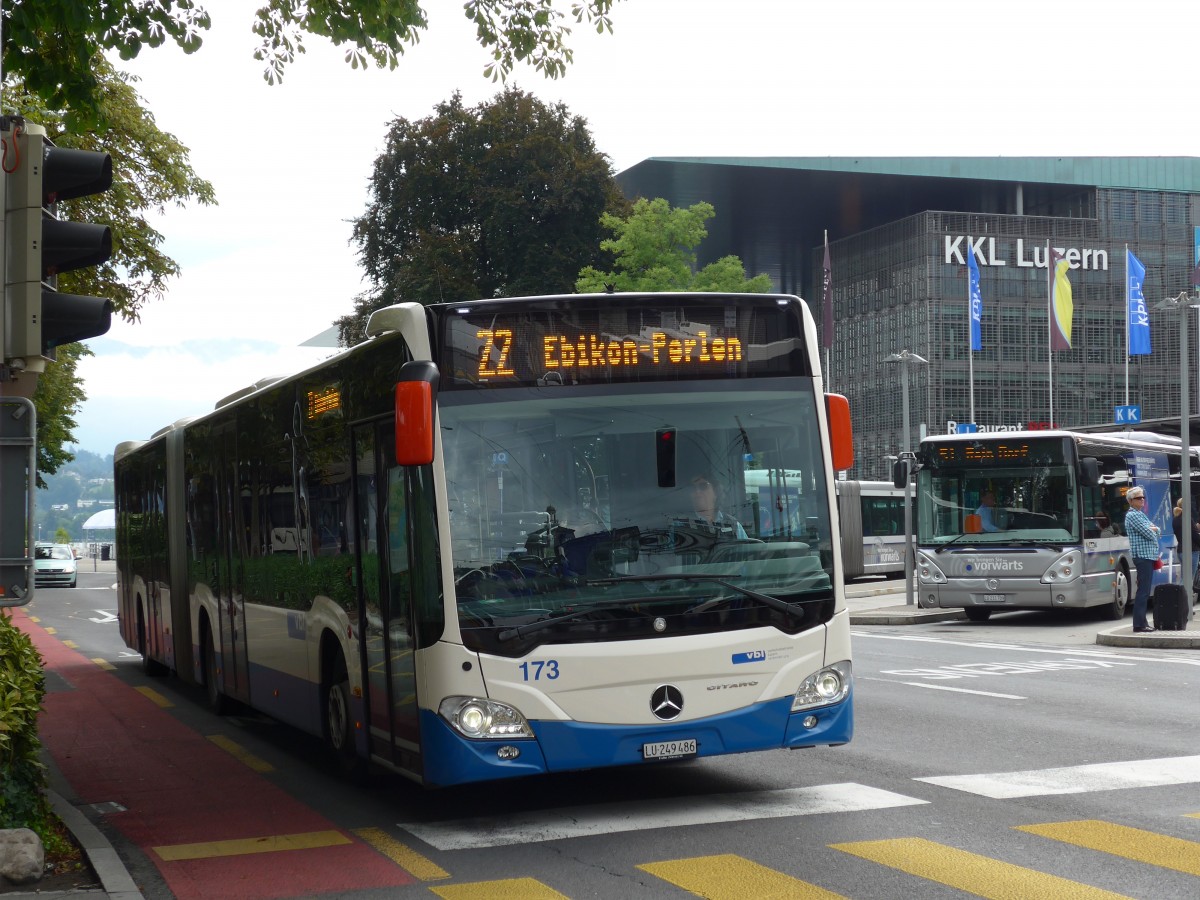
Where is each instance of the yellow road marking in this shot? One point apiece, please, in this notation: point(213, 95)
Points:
point(1128, 843)
point(405, 857)
point(71, 644)
point(104, 664)
point(508, 889)
point(970, 872)
point(1192, 815)
point(155, 697)
point(240, 753)
point(729, 877)
point(50, 629)
point(209, 849)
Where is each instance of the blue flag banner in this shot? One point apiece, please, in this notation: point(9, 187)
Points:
point(976, 300)
point(1139, 316)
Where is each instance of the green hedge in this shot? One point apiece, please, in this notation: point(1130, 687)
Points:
point(23, 803)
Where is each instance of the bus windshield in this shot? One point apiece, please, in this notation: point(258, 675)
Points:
point(601, 512)
point(981, 493)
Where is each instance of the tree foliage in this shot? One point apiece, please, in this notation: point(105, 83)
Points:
point(51, 43)
point(503, 199)
point(150, 171)
point(655, 247)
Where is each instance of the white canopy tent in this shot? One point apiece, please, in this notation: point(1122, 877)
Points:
point(100, 532)
point(106, 518)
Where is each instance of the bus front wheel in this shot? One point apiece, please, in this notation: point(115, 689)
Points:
point(1120, 598)
point(339, 722)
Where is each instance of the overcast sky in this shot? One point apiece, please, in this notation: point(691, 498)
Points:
point(271, 266)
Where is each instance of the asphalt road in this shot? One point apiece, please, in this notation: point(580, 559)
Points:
point(1015, 759)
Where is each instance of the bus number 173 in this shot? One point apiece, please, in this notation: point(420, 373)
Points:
point(533, 671)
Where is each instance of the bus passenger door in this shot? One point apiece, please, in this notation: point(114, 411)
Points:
point(230, 560)
point(385, 595)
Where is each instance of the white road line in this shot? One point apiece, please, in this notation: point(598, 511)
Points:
point(641, 815)
point(1076, 779)
point(982, 645)
point(942, 687)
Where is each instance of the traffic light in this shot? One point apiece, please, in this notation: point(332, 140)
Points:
point(39, 245)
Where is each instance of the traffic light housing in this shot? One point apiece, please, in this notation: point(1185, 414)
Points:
point(39, 245)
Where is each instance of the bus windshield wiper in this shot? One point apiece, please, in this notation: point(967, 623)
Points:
point(765, 599)
point(529, 628)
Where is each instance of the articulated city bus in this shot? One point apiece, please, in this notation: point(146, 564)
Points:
point(508, 537)
point(870, 515)
point(1035, 519)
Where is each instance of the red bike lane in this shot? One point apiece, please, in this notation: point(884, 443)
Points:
point(213, 827)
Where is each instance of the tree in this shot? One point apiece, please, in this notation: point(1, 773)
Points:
point(503, 199)
point(51, 43)
point(150, 171)
point(655, 251)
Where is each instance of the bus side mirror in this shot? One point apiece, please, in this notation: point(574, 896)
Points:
point(414, 413)
point(841, 434)
point(900, 473)
point(1089, 471)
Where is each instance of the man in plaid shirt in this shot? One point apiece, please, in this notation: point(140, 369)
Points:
point(1143, 544)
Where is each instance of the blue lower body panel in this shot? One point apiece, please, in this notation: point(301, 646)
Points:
point(566, 746)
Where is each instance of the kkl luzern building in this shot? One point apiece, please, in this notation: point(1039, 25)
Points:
point(899, 231)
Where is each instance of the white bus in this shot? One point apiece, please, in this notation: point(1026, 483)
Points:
point(466, 549)
point(870, 515)
point(1051, 533)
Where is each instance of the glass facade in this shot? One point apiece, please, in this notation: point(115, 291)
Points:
point(903, 286)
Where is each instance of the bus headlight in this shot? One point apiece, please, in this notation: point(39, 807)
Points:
point(480, 719)
point(828, 686)
point(929, 571)
point(1067, 567)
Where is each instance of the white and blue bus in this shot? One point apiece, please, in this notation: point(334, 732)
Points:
point(1052, 533)
point(467, 549)
point(870, 516)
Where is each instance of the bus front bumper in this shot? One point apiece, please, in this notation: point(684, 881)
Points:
point(451, 759)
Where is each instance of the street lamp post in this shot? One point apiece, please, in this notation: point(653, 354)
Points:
point(906, 358)
point(1183, 303)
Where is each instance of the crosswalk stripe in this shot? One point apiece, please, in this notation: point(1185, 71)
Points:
point(640, 815)
point(508, 889)
point(240, 753)
point(269, 844)
point(729, 877)
point(405, 857)
point(154, 697)
point(989, 878)
point(1076, 779)
point(1129, 843)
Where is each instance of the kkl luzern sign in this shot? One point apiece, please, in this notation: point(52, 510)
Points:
point(1031, 255)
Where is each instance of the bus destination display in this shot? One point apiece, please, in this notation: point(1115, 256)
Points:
point(541, 348)
point(996, 452)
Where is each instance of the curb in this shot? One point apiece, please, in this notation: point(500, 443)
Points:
point(904, 615)
point(1123, 636)
point(114, 877)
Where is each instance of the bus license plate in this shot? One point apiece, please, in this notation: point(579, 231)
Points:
point(669, 749)
point(993, 598)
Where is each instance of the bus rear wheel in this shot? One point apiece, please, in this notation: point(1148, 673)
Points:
point(978, 613)
point(1120, 598)
point(212, 690)
point(150, 666)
